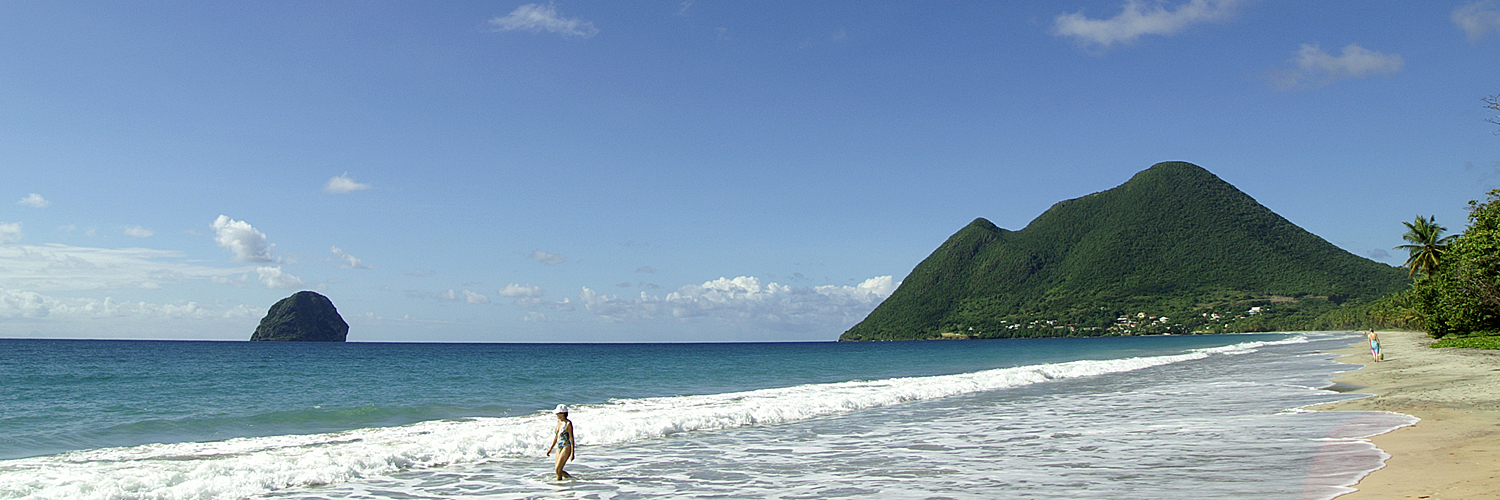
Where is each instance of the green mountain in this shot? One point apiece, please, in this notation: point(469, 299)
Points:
point(1174, 250)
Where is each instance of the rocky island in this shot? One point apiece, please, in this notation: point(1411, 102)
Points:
point(304, 317)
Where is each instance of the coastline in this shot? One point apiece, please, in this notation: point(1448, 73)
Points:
point(1451, 452)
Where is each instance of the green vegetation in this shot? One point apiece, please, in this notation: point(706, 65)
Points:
point(1479, 341)
point(1392, 312)
point(1427, 245)
point(1460, 295)
point(1173, 250)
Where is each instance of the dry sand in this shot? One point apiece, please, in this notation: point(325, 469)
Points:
point(1454, 452)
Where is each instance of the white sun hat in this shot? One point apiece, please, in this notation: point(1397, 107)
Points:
point(561, 409)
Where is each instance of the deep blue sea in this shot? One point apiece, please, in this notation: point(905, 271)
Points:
point(1134, 417)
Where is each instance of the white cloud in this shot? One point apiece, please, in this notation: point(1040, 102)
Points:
point(343, 184)
point(350, 261)
point(138, 232)
point(1477, 19)
point(517, 290)
point(535, 17)
point(565, 304)
point(1140, 18)
point(460, 295)
point(451, 295)
point(475, 298)
point(1317, 68)
point(550, 259)
point(646, 269)
point(10, 232)
point(747, 300)
point(248, 244)
point(275, 278)
point(28, 304)
point(67, 268)
point(34, 200)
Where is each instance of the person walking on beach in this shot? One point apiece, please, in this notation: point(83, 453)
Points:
point(563, 440)
point(1374, 345)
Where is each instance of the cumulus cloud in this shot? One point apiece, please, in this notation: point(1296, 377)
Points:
point(1317, 68)
point(1139, 18)
point(273, 277)
point(475, 298)
point(28, 304)
point(350, 261)
point(1477, 19)
point(10, 233)
point(247, 244)
point(550, 259)
point(342, 184)
point(536, 18)
point(518, 290)
point(138, 232)
point(34, 200)
point(646, 269)
point(747, 300)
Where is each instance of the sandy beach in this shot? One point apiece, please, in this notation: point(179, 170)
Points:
point(1454, 452)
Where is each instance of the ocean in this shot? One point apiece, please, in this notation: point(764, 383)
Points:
point(1174, 417)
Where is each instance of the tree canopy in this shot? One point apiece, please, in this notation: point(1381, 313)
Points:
point(1427, 245)
point(1463, 294)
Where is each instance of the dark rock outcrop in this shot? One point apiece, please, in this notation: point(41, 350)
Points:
point(303, 317)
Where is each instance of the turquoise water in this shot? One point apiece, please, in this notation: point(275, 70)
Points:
point(122, 393)
point(141, 419)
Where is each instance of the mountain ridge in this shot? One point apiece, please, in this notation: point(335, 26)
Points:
point(1173, 241)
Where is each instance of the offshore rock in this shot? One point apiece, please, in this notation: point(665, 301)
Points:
point(303, 317)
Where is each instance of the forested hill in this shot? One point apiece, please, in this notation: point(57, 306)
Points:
point(1175, 249)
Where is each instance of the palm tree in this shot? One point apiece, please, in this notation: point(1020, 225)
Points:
point(1427, 245)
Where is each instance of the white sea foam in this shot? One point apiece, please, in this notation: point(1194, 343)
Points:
point(238, 468)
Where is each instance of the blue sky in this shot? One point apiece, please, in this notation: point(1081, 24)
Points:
point(698, 170)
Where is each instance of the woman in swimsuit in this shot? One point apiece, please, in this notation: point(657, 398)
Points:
point(1374, 345)
point(563, 441)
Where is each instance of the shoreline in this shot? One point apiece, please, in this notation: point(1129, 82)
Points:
point(1451, 452)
